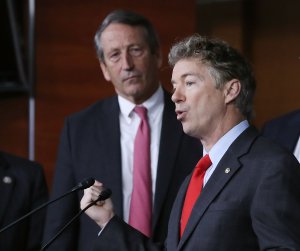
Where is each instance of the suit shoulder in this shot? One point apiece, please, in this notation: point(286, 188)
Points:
point(18, 160)
point(281, 122)
point(270, 149)
point(103, 106)
point(21, 166)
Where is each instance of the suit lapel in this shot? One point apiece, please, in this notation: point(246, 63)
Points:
point(108, 131)
point(7, 182)
point(226, 169)
point(214, 186)
point(174, 222)
point(171, 134)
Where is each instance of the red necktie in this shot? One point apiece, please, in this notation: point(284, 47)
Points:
point(194, 190)
point(141, 197)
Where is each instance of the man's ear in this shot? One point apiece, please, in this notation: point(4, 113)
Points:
point(231, 90)
point(104, 71)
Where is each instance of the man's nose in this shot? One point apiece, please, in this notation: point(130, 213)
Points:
point(177, 95)
point(127, 62)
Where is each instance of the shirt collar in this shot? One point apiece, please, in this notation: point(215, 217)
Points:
point(222, 145)
point(156, 100)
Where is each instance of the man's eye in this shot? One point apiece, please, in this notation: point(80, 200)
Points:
point(189, 83)
point(135, 51)
point(114, 57)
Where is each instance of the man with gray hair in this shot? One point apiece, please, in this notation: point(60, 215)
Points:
point(100, 141)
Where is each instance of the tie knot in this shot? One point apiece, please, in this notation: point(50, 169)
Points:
point(204, 163)
point(141, 111)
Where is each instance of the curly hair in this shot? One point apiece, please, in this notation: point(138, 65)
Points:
point(224, 63)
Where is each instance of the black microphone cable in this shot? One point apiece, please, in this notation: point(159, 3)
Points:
point(105, 194)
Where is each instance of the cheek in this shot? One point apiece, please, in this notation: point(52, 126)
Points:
point(114, 75)
point(204, 106)
point(200, 103)
point(146, 66)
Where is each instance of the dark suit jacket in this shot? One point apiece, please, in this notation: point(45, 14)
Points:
point(90, 147)
point(255, 206)
point(22, 188)
point(284, 130)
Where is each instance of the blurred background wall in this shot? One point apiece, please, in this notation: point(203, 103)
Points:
point(68, 77)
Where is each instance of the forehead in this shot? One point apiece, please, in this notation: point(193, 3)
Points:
point(188, 67)
point(119, 35)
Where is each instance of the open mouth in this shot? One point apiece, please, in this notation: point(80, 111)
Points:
point(180, 114)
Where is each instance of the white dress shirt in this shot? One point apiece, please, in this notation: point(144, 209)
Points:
point(297, 150)
point(129, 123)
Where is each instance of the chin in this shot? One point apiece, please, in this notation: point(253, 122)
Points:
point(186, 129)
point(136, 89)
point(189, 131)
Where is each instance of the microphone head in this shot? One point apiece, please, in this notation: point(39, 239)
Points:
point(105, 194)
point(85, 184)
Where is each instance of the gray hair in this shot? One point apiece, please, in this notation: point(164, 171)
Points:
point(128, 18)
point(224, 62)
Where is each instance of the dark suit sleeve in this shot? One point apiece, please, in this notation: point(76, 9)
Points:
point(39, 193)
point(275, 208)
point(117, 235)
point(25, 191)
point(60, 212)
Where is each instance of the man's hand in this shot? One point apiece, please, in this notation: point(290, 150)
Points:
point(102, 212)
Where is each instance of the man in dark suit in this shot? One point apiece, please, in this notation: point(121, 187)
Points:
point(98, 141)
point(250, 189)
point(23, 188)
point(285, 130)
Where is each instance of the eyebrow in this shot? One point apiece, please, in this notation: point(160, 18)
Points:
point(187, 75)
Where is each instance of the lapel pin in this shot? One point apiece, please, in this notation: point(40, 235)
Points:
point(7, 180)
point(227, 170)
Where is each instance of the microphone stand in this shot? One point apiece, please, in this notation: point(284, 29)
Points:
point(33, 211)
point(105, 194)
point(86, 183)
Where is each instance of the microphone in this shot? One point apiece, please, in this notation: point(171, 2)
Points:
point(105, 194)
point(84, 184)
point(80, 186)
